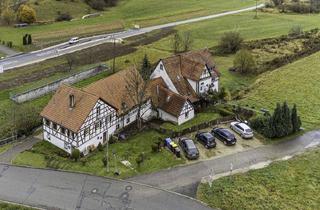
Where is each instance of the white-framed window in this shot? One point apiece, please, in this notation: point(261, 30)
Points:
point(161, 66)
point(128, 120)
point(54, 126)
point(98, 111)
point(47, 122)
point(63, 130)
point(118, 126)
point(86, 131)
point(186, 115)
point(97, 125)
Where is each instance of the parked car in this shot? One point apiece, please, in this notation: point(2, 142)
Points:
point(225, 136)
point(172, 146)
point(74, 40)
point(207, 139)
point(242, 129)
point(189, 148)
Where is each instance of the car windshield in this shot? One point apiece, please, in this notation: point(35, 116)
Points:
point(208, 136)
point(248, 130)
point(190, 145)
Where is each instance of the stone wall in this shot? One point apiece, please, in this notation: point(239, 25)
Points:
point(45, 89)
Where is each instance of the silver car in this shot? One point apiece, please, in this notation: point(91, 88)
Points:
point(242, 129)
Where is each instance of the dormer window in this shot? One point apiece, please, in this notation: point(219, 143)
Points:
point(71, 101)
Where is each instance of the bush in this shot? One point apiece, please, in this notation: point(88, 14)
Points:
point(296, 31)
point(100, 147)
point(140, 159)
point(244, 62)
point(64, 17)
point(26, 14)
point(230, 42)
point(84, 161)
point(105, 161)
point(96, 4)
point(75, 154)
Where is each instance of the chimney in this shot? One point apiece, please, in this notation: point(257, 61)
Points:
point(72, 102)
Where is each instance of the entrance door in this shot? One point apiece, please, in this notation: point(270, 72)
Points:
point(105, 136)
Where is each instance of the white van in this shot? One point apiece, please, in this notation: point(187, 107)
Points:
point(74, 40)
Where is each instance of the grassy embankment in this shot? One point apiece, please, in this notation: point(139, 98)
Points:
point(292, 184)
point(9, 206)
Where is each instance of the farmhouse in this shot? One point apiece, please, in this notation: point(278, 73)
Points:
point(83, 118)
point(189, 74)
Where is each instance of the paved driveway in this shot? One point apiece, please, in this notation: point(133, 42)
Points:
point(61, 190)
point(185, 179)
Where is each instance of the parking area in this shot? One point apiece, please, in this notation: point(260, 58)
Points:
point(221, 149)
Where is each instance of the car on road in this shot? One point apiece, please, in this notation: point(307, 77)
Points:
point(74, 40)
point(242, 129)
point(189, 148)
point(225, 136)
point(207, 139)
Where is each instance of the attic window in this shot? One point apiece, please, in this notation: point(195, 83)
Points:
point(71, 101)
point(124, 105)
point(161, 66)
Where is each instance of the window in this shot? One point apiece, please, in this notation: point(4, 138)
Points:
point(63, 130)
point(186, 114)
point(98, 111)
point(108, 119)
point(86, 132)
point(128, 120)
point(98, 125)
point(54, 126)
point(118, 126)
point(47, 122)
point(161, 66)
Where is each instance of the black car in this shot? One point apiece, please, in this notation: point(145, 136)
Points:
point(207, 139)
point(225, 136)
point(189, 148)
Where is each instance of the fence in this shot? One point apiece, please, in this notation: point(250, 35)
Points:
point(198, 127)
point(40, 91)
point(8, 140)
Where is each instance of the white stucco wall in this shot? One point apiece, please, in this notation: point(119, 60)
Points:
point(164, 75)
point(182, 118)
point(167, 117)
point(193, 85)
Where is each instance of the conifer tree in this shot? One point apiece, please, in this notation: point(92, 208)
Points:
point(296, 122)
point(145, 68)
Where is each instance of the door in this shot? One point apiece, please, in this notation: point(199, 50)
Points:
point(105, 137)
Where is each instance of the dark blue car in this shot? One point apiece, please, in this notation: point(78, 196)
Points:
point(225, 136)
point(207, 139)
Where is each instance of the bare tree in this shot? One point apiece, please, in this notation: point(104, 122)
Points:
point(136, 88)
point(70, 61)
point(187, 41)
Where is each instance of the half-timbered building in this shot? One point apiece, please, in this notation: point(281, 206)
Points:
point(189, 74)
point(83, 118)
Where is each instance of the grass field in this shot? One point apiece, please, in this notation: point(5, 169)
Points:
point(295, 83)
point(292, 184)
point(126, 14)
point(127, 150)
point(7, 206)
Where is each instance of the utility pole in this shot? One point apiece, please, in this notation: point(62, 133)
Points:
point(114, 55)
point(256, 9)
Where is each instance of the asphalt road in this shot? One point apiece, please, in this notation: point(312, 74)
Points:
point(65, 48)
point(185, 179)
point(61, 190)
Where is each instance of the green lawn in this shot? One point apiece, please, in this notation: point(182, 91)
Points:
point(295, 83)
point(7, 206)
point(128, 150)
point(126, 14)
point(292, 184)
point(198, 119)
point(5, 147)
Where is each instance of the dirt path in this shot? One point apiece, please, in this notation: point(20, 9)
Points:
point(26, 144)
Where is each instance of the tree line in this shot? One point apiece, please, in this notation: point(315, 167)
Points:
point(283, 122)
